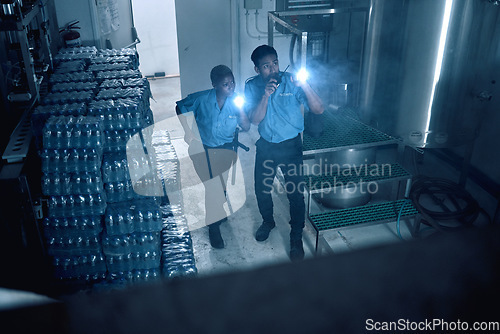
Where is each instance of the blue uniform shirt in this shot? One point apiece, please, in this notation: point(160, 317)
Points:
point(284, 119)
point(216, 126)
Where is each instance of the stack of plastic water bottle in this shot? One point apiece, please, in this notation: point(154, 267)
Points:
point(131, 240)
point(43, 112)
point(121, 118)
point(131, 237)
point(124, 83)
point(114, 211)
point(176, 243)
point(71, 162)
point(74, 86)
point(70, 54)
point(74, 65)
point(131, 221)
point(118, 55)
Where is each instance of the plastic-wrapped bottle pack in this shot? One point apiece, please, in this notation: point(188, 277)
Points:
point(80, 268)
point(130, 53)
point(134, 276)
point(119, 191)
point(108, 217)
point(135, 251)
point(112, 74)
point(70, 54)
point(76, 205)
point(71, 77)
point(131, 243)
point(55, 184)
point(176, 244)
point(74, 86)
point(68, 97)
point(116, 140)
point(123, 92)
point(72, 132)
point(73, 245)
point(72, 181)
point(74, 65)
point(74, 160)
point(123, 83)
point(115, 167)
point(43, 112)
point(80, 226)
point(132, 216)
point(111, 59)
point(96, 68)
point(118, 114)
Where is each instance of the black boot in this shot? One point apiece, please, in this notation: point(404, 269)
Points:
point(296, 250)
point(263, 231)
point(214, 235)
point(296, 247)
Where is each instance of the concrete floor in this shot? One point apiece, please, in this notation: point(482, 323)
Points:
point(241, 250)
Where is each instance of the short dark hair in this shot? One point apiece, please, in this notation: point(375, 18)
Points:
point(262, 51)
point(219, 72)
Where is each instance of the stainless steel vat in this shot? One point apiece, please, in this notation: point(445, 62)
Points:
point(426, 66)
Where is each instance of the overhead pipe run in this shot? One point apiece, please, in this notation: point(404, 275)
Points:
point(247, 24)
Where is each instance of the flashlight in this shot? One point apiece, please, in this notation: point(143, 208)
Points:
point(302, 75)
point(239, 101)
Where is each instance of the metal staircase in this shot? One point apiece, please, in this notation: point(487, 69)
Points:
point(345, 132)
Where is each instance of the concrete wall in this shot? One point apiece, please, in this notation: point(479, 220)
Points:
point(204, 40)
point(123, 35)
point(156, 27)
point(68, 11)
point(91, 33)
point(212, 33)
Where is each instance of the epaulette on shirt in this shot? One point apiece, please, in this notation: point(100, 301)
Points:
point(250, 79)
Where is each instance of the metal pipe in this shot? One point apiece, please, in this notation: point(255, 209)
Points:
point(248, 28)
point(320, 11)
point(257, 23)
point(303, 51)
point(271, 28)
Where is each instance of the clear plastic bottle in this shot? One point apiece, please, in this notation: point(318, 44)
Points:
point(83, 226)
point(115, 168)
point(87, 183)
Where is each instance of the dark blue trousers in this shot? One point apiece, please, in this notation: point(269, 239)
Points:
point(286, 155)
point(212, 165)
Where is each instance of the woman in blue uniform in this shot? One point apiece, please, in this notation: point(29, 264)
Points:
point(210, 140)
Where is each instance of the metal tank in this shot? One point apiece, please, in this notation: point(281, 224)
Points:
point(427, 68)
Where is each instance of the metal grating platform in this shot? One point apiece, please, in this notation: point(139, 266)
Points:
point(368, 173)
point(343, 131)
point(386, 211)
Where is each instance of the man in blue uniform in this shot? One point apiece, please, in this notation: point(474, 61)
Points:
point(209, 131)
point(273, 102)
